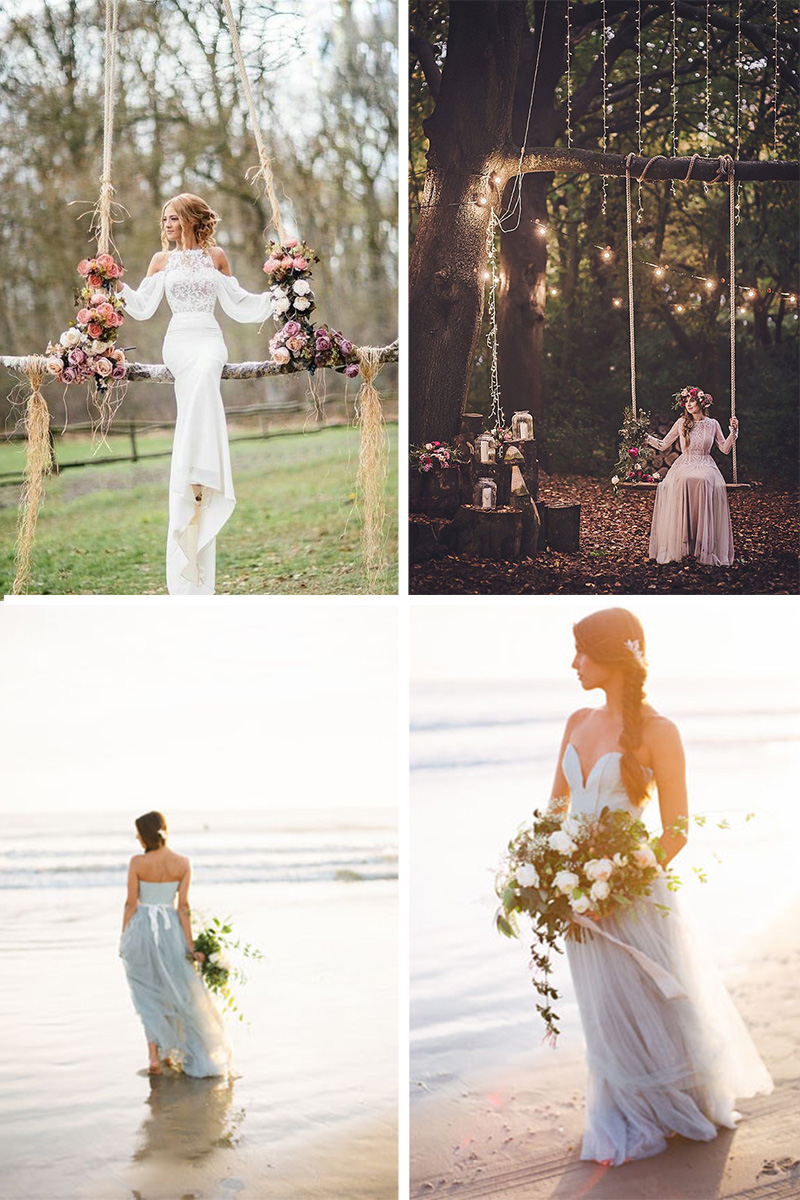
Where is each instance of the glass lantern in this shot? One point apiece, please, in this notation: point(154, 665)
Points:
point(485, 494)
point(522, 426)
point(485, 448)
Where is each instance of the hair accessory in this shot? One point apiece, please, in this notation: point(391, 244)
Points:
point(636, 650)
point(683, 397)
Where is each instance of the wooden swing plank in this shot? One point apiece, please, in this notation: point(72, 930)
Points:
point(651, 487)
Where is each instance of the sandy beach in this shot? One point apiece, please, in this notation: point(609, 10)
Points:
point(311, 1111)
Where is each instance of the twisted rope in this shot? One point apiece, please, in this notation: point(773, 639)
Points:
point(102, 212)
point(373, 462)
point(732, 290)
point(264, 171)
point(38, 464)
point(628, 162)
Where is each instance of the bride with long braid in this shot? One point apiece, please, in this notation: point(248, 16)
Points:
point(657, 1066)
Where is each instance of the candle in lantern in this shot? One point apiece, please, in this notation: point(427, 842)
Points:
point(485, 494)
point(486, 448)
point(522, 426)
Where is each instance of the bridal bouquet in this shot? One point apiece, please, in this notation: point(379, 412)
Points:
point(215, 943)
point(433, 456)
point(563, 870)
point(85, 352)
point(632, 466)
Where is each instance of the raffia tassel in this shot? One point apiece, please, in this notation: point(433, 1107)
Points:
point(38, 465)
point(373, 462)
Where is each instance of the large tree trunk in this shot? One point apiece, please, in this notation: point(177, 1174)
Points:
point(469, 125)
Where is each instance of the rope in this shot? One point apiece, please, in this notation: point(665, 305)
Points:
point(102, 212)
point(264, 171)
point(38, 464)
point(732, 290)
point(373, 462)
point(628, 162)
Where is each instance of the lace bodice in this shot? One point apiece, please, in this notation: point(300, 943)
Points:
point(602, 787)
point(191, 282)
point(704, 435)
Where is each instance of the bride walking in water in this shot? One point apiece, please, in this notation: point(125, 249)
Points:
point(194, 274)
point(181, 1024)
point(690, 515)
point(657, 1066)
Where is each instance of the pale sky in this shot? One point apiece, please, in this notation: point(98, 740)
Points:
point(274, 703)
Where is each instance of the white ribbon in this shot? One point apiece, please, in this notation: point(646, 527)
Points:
point(667, 984)
point(156, 910)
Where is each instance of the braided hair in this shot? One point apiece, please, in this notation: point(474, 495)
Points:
point(195, 216)
point(614, 637)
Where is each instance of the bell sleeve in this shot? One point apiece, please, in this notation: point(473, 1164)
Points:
point(725, 443)
point(241, 305)
point(664, 443)
point(142, 302)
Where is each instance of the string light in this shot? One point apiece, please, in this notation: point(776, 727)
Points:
point(569, 82)
point(607, 254)
point(679, 308)
point(775, 102)
point(710, 285)
point(498, 415)
point(738, 105)
point(617, 302)
point(553, 291)
point(706, 131)
point(541, 228)
point(674, 89)
point(659, 272)
point(751, 293)
point(639, 208)
point(605, 108)
point(481, 201)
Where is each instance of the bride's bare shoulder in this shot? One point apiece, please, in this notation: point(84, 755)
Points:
point(659, 732)
point(220, 259)
point(577, 718)
point(158, 262)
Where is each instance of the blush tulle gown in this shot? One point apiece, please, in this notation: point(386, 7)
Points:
point(195, 352)
point(657, 1066)
point(691, 514)
point(171, 999)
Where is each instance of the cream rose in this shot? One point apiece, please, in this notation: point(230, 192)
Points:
point(561, 842)
point(598, 868)
point(70, 338)
point(643, 856)
point(281, 355)
point(527, 875)
point(301, 287)
point(302, 303)
point(600, 890)
point(580, 904)
point(565, 881)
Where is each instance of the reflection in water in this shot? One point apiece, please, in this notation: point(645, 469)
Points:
point(188, 1118)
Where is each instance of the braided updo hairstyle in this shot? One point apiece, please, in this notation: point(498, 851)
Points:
point(195, 216)
point(614, 637)
point(152, 829)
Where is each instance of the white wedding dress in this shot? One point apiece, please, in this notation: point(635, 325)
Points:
point(195, 352)
point(657, 1065)
point(691, 515)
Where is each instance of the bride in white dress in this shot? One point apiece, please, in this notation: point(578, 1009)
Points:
point(194, 275)
point(657, 1066)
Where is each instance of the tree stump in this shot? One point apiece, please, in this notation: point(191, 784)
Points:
point(562, 525)
point(478, 533)
point(500, 472)
point(435, 493)
point(471, 425)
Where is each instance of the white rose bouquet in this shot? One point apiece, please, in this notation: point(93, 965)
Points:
point(561, 868)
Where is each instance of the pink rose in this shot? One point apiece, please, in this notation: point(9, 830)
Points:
point(83, 316)
point(345, 346)
point(84, 266)
point(286, 262)
point(97, 298)
point(281, 355)
point(295, 344)
point(105, 261)
point(95, 330)
point(118, 372)
point(290, 242)
point(106, 312)
point(692, 391)
point(351, 371)
point(299, 264)
point(76, 357)
point(271, 265)
point(95, 281)
point(292, 328)
point(634, 453)
point(103, 366)
point(69, 375)
point(116, 319)
point(323, 345)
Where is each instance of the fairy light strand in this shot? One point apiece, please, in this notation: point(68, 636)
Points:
point(515, 200)
point(569, 81)
point(605, 109)
point(775, 97)
point(672, 188)
point(639, 207)
point(491, 337)
point(707, 129)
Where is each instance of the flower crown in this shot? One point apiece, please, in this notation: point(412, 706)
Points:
point(636, 650)
point(683, 397)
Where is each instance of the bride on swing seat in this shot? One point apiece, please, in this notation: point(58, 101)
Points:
point(691, 515)
point(194, 275)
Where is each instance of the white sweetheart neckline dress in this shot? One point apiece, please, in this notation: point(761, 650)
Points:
point(195, 352)
point(656, 1066)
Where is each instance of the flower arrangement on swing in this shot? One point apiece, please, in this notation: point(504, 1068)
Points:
point(85, 351)
point(632, 465)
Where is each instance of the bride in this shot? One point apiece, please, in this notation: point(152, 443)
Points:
point(194, 275)
point(691, 514)
point(657, 1066)
point(181, 1024)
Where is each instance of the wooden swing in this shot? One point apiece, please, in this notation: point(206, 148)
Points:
point(373, 462)
point(727, 169)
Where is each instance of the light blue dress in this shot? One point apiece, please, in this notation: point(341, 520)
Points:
point(667, 1051)
point(171, 999)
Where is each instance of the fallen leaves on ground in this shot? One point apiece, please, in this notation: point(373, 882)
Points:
point(615, 532)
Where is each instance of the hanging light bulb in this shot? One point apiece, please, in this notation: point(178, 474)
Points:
point(606, 254)
point(487, 275)
point(494, 179)
point(553, 291)
point(710, 285)
point(751, 293)
point(540, 228)
point(659, 272)
point(793, 299)
point(617, 302)
point(679, 308)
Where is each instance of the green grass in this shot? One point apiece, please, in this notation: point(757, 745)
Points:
point(295, 531)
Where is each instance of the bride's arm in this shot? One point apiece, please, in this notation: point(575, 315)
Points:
point(132, 898)
point(669, 771)
point(142, 302)
point(185, 912)
point(664, 443)
point(238, 303)
point(726, 443)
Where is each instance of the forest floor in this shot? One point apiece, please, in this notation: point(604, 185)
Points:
point(296, 528)
point(613, 553)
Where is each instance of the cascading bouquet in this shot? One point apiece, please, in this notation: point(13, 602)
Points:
point(682, 398)
point(214, 941)
point(566, 872)
point(86, 352)
point(634, 452)
point(288, 267)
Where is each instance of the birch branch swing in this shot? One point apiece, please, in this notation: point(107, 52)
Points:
point(107, 393)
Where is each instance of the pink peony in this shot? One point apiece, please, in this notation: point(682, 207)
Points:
point(324, 344)
point(290, 242)
point(103, 366)
point(84, 266)
point(299, 264)
point(286, 262)
point(692, 391)
point(95, 330)
point(271, 265)
point(351, 371)
point(83, 316)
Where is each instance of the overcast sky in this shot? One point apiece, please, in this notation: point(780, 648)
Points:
point(276, 703)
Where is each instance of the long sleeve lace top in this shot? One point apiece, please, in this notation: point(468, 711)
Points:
point(705, 434)
point(194, 285)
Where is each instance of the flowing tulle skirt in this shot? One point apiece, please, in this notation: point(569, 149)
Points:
point(171, 999)
point(195, 352)
point(691, 514)
point(657, 1066)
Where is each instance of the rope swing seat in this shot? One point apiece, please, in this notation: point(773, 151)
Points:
point(87, 352)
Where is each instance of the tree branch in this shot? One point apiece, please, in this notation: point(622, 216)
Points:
point(589, 162)
point(422, 50)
